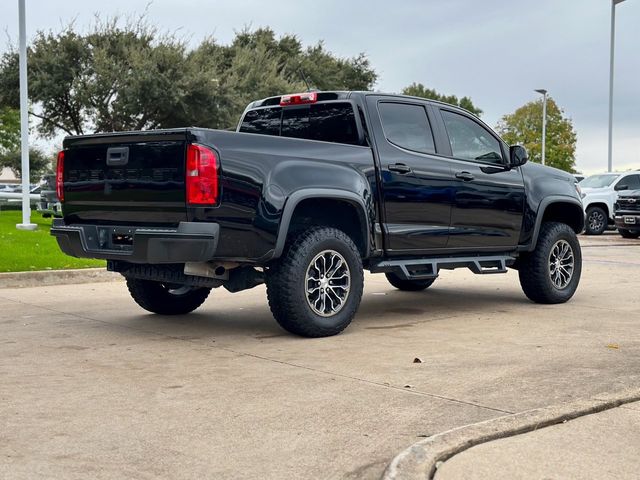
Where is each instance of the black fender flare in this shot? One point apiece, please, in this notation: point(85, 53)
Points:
point(544, 204)
point(333, 193)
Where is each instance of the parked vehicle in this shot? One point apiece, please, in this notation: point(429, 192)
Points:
point(627, 214)
point(49, 205)
point(14, 197)
point(312, 189)
point(599, 193)
point(8, 187)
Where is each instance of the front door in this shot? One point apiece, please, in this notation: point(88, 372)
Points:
point(488, 198)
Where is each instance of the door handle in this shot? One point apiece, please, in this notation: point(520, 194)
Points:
point(399, 168)
point(117, 156)
point(465, 176)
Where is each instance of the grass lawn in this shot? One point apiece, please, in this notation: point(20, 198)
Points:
point(22, 251)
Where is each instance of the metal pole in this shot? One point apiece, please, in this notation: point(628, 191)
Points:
point(543, 92)
point(24, 123)
point(613, 37)
point(544, 126)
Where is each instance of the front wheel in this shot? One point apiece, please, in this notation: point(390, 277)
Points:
point(628, 233)
point(551, 273)
point(315, 288)
point(596, 221)
point(166, 299)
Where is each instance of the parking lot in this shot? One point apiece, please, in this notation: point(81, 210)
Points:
point(93, 386)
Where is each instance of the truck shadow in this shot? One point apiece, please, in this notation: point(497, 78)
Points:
point(379, 310)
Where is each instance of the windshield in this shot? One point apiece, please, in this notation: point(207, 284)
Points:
point(598, 181)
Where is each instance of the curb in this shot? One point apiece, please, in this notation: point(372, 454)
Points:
point(56, 277)
point(422, 459)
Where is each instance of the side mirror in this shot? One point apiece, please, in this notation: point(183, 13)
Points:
point(517, 156)
point(621, 187)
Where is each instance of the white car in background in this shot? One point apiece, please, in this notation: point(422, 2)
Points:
point(599, 193)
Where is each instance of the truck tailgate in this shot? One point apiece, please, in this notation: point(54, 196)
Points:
point(125, 179)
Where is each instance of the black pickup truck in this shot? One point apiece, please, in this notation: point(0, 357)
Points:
point(627, 213)
point(310, 190)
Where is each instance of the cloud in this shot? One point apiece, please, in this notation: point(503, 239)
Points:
point(495, 51)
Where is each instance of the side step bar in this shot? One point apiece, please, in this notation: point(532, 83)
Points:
point(417, 269)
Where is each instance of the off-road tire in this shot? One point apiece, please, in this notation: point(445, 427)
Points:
point(534, 267)
point(408, 285)
point(595, 221)
point(156, 297)
point(628, 233)
point(286, 283)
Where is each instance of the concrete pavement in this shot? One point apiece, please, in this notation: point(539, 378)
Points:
point(599, 446)
point(93, 386)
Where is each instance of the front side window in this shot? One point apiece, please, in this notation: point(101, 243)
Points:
point(407, 126)
point(469, 140)
point(631, 182)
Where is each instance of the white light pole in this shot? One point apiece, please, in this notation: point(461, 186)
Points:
point(24, 123)
point(613, 37)
point(543, 92)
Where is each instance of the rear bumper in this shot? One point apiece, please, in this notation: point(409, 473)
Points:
point(628, 221)
point(190, 242)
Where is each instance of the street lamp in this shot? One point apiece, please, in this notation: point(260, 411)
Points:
point(613, 36)
point(543, 92)
point(24, 123)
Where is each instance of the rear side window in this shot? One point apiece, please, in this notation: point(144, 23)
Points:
point(328, 122)
point(407, 126)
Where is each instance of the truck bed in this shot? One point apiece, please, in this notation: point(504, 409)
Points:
point(256, 175)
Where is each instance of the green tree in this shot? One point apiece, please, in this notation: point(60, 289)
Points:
point(9, 129)
point(419, 90)
point(132, 77)
point(39, 162)
point(524, 127)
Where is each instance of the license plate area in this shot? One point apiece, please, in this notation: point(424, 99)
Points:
point(630, 220)
point(115, 238)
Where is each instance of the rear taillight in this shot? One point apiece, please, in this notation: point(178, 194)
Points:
point(298, 98)
point(202, 175)
point(60, 176)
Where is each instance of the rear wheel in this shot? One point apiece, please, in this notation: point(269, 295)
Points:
point(166, 299)
point(629, 233)
point(408, 285)
point(315, 288)
point(551, 273)
point(596, 222)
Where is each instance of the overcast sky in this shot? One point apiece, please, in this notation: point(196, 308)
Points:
point(495, 51)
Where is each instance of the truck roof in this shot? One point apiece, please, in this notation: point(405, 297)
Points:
point(340, 95)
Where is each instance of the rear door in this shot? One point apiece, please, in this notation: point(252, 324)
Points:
point(128, 179)
point(416, 183)
point(488, 198)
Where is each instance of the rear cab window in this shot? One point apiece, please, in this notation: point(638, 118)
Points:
point(327, 122)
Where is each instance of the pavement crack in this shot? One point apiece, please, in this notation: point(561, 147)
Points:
point(370, 382)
